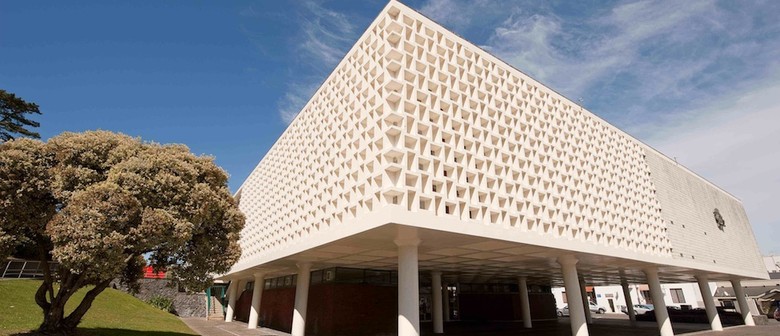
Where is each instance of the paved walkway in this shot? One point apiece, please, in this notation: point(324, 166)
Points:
point(221, 328)
point(604, 325)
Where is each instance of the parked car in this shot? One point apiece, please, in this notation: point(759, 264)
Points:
point(638, 309)
point(594, 308)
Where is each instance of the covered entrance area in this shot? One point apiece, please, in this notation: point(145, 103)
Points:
point(416, 281)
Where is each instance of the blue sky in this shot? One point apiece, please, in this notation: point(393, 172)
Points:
point(699, 80)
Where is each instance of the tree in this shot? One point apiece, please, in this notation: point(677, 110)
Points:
point(98, 202)
point(13, 119)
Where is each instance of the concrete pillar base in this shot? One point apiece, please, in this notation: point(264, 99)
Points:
point(525, 304)
point(257, 292)
point(408, 288)
point(661, 315)
point(742, 303)
point(709, 303)
point(301, 299)
point(573, 294)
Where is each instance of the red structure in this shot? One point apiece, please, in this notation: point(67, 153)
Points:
point(149, 273)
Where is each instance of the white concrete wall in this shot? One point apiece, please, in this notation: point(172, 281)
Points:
point(687, 203)
point(690, 292)
point(772, 263)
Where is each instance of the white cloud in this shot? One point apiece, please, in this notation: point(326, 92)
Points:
point(295, 98)
point(573, 57)
point(326, 34)
point(324, 38)
point(447, 12)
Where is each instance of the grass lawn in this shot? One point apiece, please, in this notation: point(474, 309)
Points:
point(113, 313)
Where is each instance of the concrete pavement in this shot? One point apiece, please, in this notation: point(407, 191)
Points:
point(221, 328)
point(603, 325)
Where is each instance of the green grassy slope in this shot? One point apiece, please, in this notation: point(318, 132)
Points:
point(113, 313)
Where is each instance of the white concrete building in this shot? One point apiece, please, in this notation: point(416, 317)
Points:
point(427, 157)
point(680, 295)
point(684, 295)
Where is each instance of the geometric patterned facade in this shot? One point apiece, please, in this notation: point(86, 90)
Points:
point(420, 121)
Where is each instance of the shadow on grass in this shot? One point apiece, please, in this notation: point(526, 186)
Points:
point(112, 332)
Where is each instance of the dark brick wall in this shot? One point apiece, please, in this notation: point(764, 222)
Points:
point(366, 310)
point(352, 309)
point(504, 306)
point(185, 304)
point(333, 309)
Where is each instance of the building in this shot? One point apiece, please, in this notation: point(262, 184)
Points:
point(431, 177)
point(759, 293)
point(683, 295)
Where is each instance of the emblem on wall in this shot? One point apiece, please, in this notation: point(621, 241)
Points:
point(719, 219)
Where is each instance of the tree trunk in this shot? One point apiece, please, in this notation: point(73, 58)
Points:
point(54, 320)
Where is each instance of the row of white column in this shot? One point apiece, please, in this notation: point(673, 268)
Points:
point(301, 300)
point(579, 311)
point(408, 297)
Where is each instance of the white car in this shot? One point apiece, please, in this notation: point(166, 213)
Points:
point(594, 308)
point(639, 309)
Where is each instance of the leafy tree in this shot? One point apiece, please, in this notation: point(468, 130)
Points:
point(13, 119)
point(98, 202)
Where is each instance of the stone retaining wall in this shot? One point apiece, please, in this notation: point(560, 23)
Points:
point(186, 304)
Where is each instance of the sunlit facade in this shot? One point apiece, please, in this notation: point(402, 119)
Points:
point(425, 156)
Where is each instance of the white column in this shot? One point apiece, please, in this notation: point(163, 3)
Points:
point(257, 292)
point(585, 301)
point(438, 323)
point(629, 302)
point(525, 305)
point(709, 302)
point(661, 315)
point(742, 302)
point(301, 299)
point(408, 288)
point(572, 283)
point(231, 308)
point(446, 294)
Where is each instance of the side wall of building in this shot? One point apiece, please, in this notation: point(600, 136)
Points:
point(688, 204)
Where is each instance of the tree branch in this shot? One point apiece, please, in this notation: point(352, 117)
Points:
point(47, 278)
point(40, 297)
point(75, 317)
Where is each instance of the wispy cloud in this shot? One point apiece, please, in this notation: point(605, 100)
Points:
point(297, 95)
point(621, 44)
point(325, 36)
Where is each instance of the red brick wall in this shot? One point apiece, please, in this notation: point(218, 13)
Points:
point(361, 310)
point(243, 304)
point(352, 309)
point(276, 308)
point(333, 309)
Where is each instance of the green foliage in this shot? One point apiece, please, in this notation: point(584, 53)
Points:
point(113, 313)
point(163, 303)
point(96, 202)
point(12, 116)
